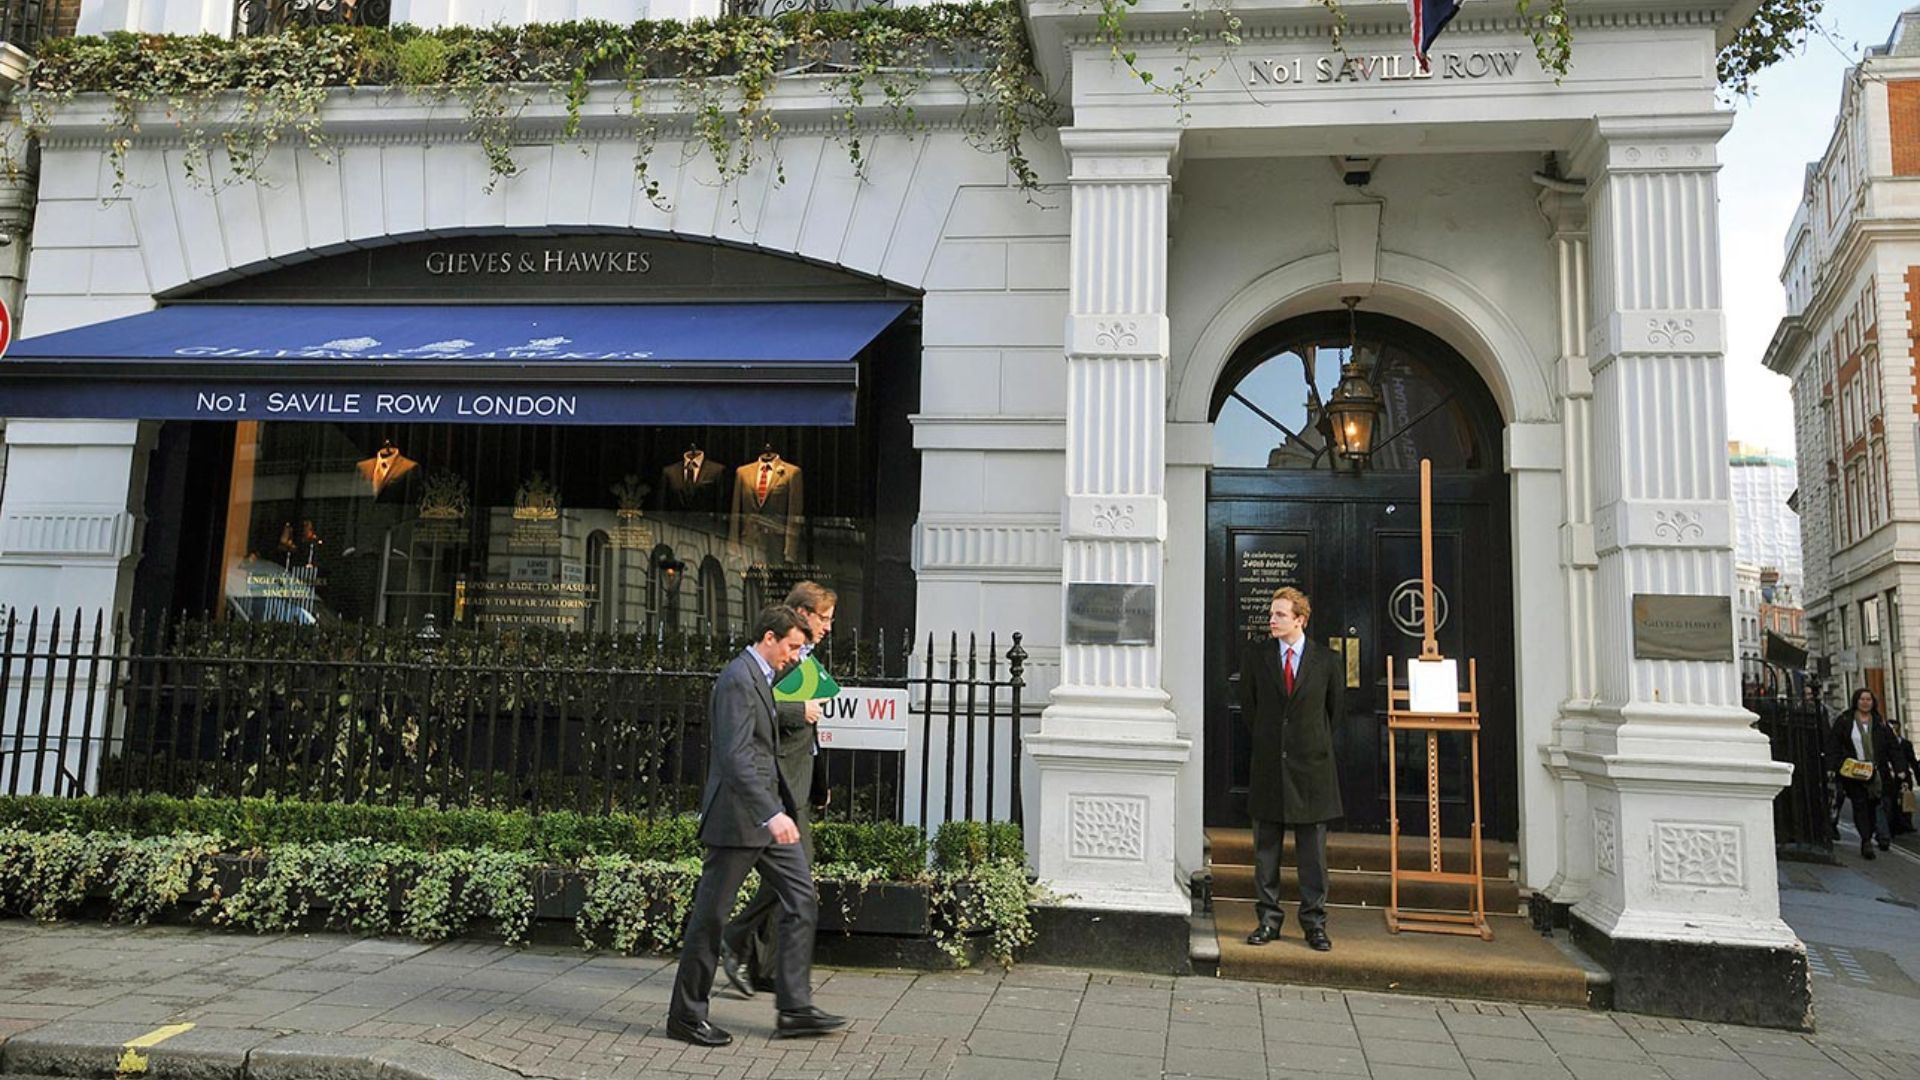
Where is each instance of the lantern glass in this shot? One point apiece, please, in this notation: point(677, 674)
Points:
point(1355, 412)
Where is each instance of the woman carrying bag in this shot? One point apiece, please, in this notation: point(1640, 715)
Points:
point(1862, 746)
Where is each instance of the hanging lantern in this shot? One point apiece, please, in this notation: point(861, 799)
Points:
point(1354, 409)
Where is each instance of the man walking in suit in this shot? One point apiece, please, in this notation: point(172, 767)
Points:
point(1292, 692)
point(749, 942)
point(746, 823)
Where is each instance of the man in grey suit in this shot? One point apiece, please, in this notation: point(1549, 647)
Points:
point(749, 943)
point(746, 823)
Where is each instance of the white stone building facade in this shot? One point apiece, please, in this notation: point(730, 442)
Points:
point(1846, 343)
point(1555, 242)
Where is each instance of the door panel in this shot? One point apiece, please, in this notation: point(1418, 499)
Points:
point(1352, 544)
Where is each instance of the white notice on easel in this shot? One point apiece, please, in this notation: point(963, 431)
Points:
point(1433, 686)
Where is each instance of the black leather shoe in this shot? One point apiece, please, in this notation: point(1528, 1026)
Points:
point(1318, 941)
point(730, 964)
point(700, 1034)
point(1263, 934)
point(807, 1021)
point(1866, 851)
point(1886, 845)
point(764, 984)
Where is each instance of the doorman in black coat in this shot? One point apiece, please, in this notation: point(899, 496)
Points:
point(1292, 692)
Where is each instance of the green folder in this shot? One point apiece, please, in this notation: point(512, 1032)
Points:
point(805, 682)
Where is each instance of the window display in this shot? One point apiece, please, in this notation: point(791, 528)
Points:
point(549, 527)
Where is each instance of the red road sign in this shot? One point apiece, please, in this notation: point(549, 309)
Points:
point(6, 328)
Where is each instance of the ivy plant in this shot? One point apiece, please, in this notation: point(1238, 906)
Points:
point(232, 102)
point(432, 874)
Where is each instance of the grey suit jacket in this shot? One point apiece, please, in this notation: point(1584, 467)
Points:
point(744, 785)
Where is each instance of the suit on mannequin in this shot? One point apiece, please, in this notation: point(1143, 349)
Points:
point(768, 503)
point(693, 485)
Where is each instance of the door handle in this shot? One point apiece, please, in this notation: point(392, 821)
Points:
point(1348, 647)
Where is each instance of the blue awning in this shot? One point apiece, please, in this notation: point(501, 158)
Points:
point(693, 364)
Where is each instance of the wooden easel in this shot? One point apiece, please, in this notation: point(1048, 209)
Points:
point(1401, 717)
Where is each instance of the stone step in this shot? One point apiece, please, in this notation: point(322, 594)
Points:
point(1363, 851)
point(1370, 888)
point(1517, 965)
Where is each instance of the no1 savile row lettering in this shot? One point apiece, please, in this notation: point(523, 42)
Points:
point(330, 404)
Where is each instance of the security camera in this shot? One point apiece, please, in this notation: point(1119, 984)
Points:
point(1356, 171)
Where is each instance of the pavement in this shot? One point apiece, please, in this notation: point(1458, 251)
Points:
point(187, 1002)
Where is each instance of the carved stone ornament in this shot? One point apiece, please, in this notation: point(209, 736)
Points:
point(1675, 331)
point(1118, 334)
point(1107, 827)
point(1115, 518)
point(1678, 526)
point(1606, 842)
point(1706, 856)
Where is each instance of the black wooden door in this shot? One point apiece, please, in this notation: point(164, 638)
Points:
point(1352, 544)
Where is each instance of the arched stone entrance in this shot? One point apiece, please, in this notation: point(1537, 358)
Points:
point(1280, 511)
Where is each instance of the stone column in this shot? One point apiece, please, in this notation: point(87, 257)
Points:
point(1683, 904)
point(69, 533)
point(1108, 751)
point(1564, 206)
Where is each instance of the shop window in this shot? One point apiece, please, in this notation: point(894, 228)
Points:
point(713, 597)
point(1870, 620)
point(569, 528)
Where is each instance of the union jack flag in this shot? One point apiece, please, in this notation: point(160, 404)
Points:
point(1429, 18)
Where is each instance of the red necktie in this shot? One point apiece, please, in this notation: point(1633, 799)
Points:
point(766, 477)
point(1287, 655)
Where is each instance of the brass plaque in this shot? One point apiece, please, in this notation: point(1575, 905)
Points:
point(1349, 649)
point(1099, 613)
point(1678, 627)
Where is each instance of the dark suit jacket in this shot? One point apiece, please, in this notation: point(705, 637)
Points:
point(707, 494)
point(744, 786)
point(1840, 748)
point(1293, 779)
point(796, 763)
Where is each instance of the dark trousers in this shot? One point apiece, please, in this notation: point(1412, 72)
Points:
point(1869, 812)
point(1310, 857)
point(785, 868)
point(753, 935)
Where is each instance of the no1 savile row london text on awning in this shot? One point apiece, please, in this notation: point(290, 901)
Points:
point(324, 403)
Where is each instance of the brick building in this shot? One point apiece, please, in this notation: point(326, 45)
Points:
point(1852, 276)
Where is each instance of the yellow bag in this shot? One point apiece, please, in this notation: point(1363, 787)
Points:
point(1906, 801)
point(1856, 770)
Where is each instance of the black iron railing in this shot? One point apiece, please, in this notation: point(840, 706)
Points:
point(538, 719)
point(252, 18)
point(1796, 724)
point(772, 9)
point(24, 22)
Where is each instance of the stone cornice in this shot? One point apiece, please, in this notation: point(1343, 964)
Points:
point(1785, 351)
point(1060, 28)
point(803, 105)
point(1856, 243)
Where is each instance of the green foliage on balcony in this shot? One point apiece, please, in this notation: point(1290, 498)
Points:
point(233, 101)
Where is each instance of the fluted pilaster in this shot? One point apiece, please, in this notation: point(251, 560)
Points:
point(1108, 752)
point(1678, 784)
